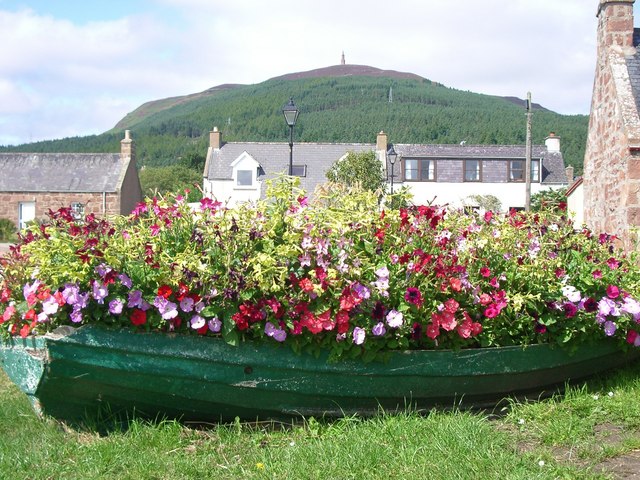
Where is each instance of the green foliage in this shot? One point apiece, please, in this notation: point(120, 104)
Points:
point(171, 179)
point(8, 230)
point(553, 199)
point(340, 109)
point(362, 169)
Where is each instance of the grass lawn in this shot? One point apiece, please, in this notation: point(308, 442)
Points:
point(591, 432)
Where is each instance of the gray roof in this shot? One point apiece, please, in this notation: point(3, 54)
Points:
point(274, 159)
point(61, 172)
point(552, 162)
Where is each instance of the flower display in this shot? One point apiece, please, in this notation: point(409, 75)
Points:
point(336, 273)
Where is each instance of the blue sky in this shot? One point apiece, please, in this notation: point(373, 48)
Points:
point(76, 67)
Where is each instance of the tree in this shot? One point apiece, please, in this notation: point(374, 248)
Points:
point(174, 178)
point(362, 168)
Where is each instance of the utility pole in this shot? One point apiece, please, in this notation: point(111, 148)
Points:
point(527, 163)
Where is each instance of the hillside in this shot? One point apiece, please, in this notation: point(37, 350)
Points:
point(341, 103)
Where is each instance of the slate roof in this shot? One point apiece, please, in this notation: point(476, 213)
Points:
point(552, 162)
point(274, 159)
point(61, 172)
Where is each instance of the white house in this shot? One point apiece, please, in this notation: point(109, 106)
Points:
point(441, 174)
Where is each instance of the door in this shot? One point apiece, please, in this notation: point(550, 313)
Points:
point(26, 213)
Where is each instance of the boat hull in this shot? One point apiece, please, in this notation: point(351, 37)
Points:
point(92, 370)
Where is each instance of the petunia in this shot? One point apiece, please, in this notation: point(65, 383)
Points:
point(50, 306)
point(135, 299)
point(138, 317)
point(99, 292)
point(394, 319)
point(609, 328)
point(571, 293)
point(197, 322)
point(125, 280)
point(214, 324)
point(115, 306)
point(187, 304)
point(613, 291)
point(359, 335)
point(378, 329)
point(413, 295)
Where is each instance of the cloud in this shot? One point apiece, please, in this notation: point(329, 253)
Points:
point(65, 78)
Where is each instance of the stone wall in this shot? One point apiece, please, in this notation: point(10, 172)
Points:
point(611, 166)
point(93, 203)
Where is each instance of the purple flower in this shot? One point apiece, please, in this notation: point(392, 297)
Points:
point(606, 306)
point(30, 289)
point(42, 317)
point(135, 299)
point(197, 322)
point(99, 292)
point(632, 307)
point(215, 324)
point(125, 280)
point(382, 272)
point(378, 329)
point(186, 304)
point(359, 335)
point(50, 306)
point(394, 319)
point(102, 270)
point(361, 291)
point(76, 315)
point(167, 309)
point(279, 335)
point(609, 328)
point(70, 293)
point(115, 306)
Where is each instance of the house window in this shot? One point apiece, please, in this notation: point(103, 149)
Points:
point(299, 170)
point(472, 171)
point(244, 178)
point(517, 169)
point(419, 170)
point(77, 210)
point(26, 213)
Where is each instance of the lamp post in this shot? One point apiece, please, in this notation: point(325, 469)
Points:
point(392, 156)
point(290, 112)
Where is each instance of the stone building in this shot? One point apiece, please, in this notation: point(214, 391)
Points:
point(612, 159)
point(102, 183)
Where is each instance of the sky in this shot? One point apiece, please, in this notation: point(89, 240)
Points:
point(76, 67)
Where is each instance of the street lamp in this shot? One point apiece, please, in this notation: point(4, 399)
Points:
point(392, 156)
point(290, 112)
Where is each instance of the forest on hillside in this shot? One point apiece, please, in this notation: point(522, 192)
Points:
point(332, 109)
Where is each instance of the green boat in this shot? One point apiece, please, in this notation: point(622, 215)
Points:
point(75, 373)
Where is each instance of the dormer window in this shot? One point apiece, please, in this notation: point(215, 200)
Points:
point(246, 171)
point(244, 178)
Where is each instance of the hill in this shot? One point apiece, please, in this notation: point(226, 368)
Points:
point(341, 103)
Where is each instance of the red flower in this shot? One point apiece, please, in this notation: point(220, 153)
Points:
point(451, 306)
point(448, 321)
point(464, 329)
point(631, 336)
point(165, 291)
point(456, 284)
point(138, 317)
point(306, 285)
point(485, 272)
point(24, 331)
point(313, 323)
point(5, 294)
point(183, 291)
point(488, 216)
point(433, 330)
point(570, 310)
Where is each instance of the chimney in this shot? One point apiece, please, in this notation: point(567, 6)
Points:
point(215, 138)
point(615, 23)
point(569, 172)
point(127, 146)
point(552, 143)
point(381, 142)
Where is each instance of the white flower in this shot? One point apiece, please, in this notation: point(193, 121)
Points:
point(541, 463)
point(521, 421)
point(610, 394)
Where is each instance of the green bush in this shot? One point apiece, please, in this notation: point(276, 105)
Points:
point(7, 230)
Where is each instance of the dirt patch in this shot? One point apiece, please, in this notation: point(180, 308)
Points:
point(624, 466)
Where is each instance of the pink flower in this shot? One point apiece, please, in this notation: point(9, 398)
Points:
point(433, 330)
point(155, 229)
point(613, 291)
point(485, 272)
point(613, 263)
point(492, 311)
point(413, 295)
point(597, 274)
